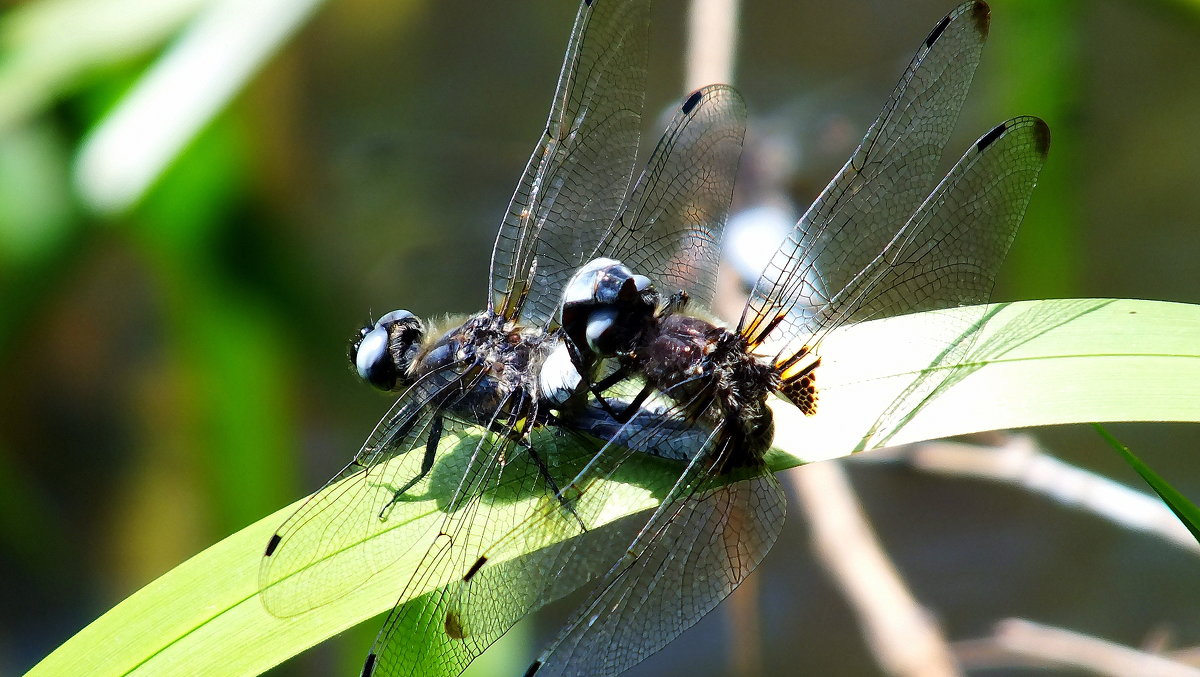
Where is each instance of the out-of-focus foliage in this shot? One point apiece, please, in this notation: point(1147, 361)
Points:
point(172, 365)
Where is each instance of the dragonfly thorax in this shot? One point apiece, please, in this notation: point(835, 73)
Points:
point(710, 370)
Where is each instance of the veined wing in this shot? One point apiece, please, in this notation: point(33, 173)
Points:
point(691, 171)
point(662, 569)
point(334, 542)
point(691, 554)
point(579, 172)
point(441, 632)
point(948, 252)
point(874, 194)
point(670, 227)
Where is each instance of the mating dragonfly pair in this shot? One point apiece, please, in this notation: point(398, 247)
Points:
point(593, 351)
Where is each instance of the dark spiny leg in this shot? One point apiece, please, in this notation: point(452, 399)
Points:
point(431, 445)
point(597, 389)
point(612, 379)
point(544, 471)
point(633, 407)
point(675, 303)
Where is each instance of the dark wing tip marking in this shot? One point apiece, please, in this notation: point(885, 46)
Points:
point(982, 15)
point(272, 544)
point(537, 665)
point(692, 101)
point(1041, 136)
point(990, 138)
point(368, 666)
point(588, 2)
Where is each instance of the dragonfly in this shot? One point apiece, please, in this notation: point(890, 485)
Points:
point(884, 238)
point(858, 253)
point(473, 398)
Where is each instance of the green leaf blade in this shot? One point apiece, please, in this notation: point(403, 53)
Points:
point(1185, 510)
point(1035, 363)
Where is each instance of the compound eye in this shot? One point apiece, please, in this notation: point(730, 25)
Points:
point(394, 317)
point(371, 359)
point(584, 287)
point(601, 326)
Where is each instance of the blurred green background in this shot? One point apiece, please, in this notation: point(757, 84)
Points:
point(173, 368)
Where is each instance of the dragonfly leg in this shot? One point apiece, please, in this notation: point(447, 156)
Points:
point(632, 408)
point(431, 445)
point(544, 471)
point(599, 387)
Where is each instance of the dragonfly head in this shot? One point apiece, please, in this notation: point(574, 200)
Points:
point(606, 306)
point(382, 351)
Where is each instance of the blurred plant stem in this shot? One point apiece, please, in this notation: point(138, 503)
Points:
point(49, 47)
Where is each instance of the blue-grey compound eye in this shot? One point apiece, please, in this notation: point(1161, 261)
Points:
point(370, 357)
point(599, 324)
point(582, 287)
point(382, 351)
point(393, 317)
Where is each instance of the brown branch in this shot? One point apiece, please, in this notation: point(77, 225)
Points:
point(906, 641)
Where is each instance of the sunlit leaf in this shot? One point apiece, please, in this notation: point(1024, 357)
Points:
point(1035, 363)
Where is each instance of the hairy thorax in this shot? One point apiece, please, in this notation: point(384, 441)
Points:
point(501, 357)
point(708, 370)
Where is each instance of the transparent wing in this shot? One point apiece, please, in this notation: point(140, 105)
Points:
point(708, 534)
point(579, 172)
point(505, 566)
point(475, 598)
point(300, 571)
point(670, 228)
point(883, 182)
point(948, 252)
point(706, 537)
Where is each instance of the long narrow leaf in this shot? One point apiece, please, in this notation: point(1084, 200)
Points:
point(1185, 510)
point(1034, 363)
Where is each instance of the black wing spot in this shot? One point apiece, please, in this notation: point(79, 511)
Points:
point(537, 665)
point(990, 138)
point(453, 626)
point(369, 665)
point(274, 543)
point(692, 101)
point(475, 568)
point(982, 14)
point(937, 31)
point(588, 2)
